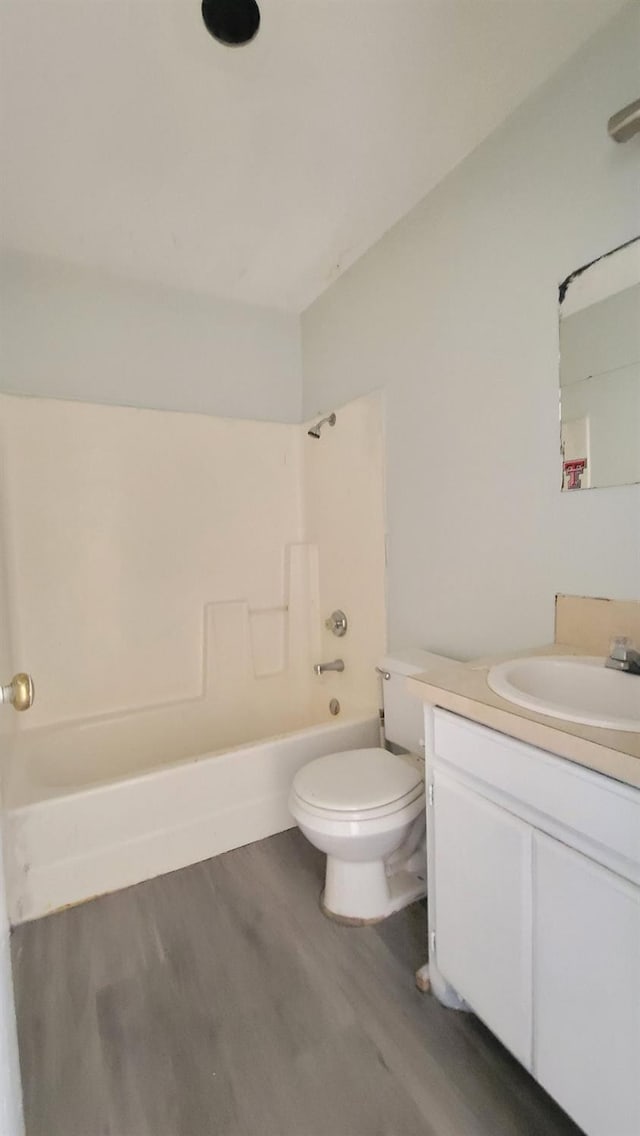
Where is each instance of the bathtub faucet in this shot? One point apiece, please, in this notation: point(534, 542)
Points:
point(336, 665)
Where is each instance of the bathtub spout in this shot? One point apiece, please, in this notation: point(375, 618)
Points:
point(336, 665)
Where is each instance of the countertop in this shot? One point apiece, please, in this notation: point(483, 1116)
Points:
point(462, 688)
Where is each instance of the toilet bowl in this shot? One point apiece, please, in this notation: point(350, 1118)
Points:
point(366, 810)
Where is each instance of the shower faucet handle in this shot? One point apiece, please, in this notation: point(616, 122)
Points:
point(337, 623)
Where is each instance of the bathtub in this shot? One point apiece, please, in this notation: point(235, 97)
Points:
point(99, 805)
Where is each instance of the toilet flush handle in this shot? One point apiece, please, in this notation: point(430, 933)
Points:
point(19, 692)
point(383, 674)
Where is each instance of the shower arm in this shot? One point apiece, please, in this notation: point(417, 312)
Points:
point(314, 432)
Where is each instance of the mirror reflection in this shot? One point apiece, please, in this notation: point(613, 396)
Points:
point(600, 372)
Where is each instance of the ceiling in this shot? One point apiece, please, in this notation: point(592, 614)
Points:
point(133, 142)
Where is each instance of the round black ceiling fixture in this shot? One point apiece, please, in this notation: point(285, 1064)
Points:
point(231, 21)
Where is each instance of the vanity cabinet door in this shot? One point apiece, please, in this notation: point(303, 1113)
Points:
point(587, 989)
point(483, 904)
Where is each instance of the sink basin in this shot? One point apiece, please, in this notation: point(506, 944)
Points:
point(576, 688)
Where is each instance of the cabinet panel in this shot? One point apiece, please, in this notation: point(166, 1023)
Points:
point(587, 804)
point(587, 989)
point(483, 909)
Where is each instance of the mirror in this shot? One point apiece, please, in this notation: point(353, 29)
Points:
point(600, 372)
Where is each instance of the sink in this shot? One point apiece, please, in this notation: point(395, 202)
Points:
point(576, 688)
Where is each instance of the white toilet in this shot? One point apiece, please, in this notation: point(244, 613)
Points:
point(366, 809)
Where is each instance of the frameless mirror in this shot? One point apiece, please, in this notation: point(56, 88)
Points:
point(600, 372)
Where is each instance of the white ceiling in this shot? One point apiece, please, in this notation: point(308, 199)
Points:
point(132, 141)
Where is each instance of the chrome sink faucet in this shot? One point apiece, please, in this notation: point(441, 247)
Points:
point(336, 665)
point(623, 656)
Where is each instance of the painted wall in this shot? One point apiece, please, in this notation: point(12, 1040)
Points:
point(454, 314)
point(74, 333)
point(157, 557)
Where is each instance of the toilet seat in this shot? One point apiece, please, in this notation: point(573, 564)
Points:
point(357, 785)
point(298, 806)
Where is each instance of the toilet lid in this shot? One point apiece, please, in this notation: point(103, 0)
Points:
point(357, 779)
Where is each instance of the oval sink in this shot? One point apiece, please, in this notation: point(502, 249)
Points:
point(575, 688)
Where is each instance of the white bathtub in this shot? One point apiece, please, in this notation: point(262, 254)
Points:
point(102, 804)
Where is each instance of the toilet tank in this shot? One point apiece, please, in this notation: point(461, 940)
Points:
point(403, 712)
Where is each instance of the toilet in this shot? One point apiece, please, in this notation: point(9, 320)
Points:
point(365, 809)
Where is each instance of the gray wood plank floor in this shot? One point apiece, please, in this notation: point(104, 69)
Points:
point(219, 1001)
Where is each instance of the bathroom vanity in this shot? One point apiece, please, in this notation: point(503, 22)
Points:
point(534, 893)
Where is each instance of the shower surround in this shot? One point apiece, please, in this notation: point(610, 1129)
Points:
point(168, 575)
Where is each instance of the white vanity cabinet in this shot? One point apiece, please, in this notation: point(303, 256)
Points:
point(587, 988)
point(483, 909)
point(535, 912)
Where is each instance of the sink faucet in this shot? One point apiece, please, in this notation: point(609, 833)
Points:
point(336, 665)
point(623, 656)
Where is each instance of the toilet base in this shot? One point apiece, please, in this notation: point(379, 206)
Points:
point(357, 892)
point(347, 920)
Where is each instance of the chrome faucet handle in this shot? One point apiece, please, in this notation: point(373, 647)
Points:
point(337, 623)
point(621, 648)
point(623, 656)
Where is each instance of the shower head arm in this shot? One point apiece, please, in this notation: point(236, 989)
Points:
point(314, 432)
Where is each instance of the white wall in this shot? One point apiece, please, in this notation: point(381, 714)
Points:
point(455, 314)
point(74, 333)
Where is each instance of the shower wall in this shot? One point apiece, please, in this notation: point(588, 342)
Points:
point(157, 556)
point(124, 528)
point(345, 520)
